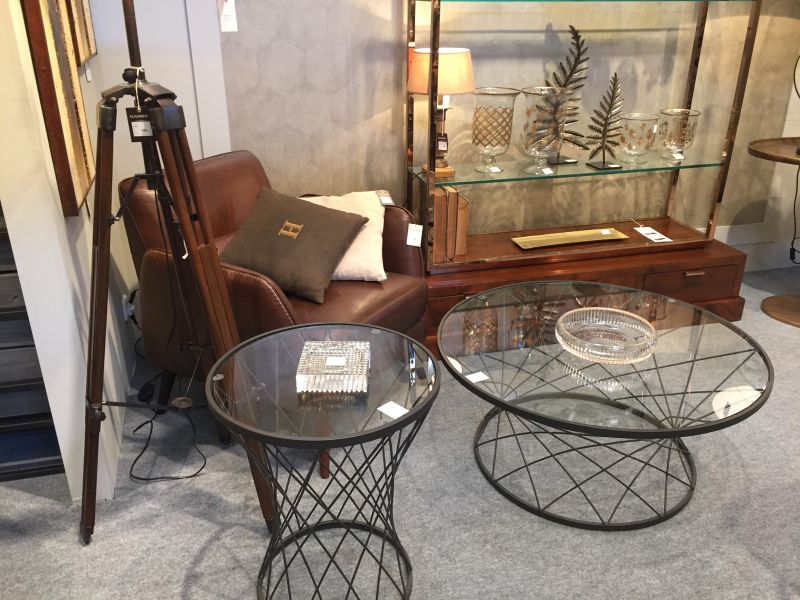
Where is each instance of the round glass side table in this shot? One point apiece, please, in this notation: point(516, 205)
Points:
point(347, 398)
point(586, 441)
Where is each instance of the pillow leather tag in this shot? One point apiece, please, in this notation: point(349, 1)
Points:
point(289, 229)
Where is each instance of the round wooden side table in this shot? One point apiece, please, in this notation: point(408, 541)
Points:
point(785, 308)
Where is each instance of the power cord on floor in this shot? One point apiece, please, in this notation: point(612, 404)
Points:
point(149, 422)
point(144, 479)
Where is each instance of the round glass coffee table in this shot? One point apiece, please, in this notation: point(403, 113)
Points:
point(346, 399)
point(580, 440)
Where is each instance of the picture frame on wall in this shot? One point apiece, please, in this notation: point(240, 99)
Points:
point(55, 62)
point(82, 30)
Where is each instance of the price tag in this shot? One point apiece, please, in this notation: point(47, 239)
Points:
point(455, 364)
point(652, 235)
point(385, 197)
point(139, 125)
point(495, 169)
point(678, 156)
point(441, 142)
point(547, 171)
point(414, 237)
point(227, 19)
point(392, 409)
point(478, 377)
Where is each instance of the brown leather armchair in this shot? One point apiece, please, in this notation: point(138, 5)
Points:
point(230, 183)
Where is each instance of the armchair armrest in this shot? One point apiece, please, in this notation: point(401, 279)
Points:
point(257, 302)
point(399, 257)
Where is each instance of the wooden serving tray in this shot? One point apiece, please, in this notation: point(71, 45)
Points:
point(529, 242)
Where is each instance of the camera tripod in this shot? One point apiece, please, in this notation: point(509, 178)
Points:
point(158, 124)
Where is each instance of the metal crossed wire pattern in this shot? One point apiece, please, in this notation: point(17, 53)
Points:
point(590, 444)
point(582, 480)
point(335, 537)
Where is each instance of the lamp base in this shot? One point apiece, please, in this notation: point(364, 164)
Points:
point(441, 172)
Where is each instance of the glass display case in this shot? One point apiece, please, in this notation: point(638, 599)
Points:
point(671, 56)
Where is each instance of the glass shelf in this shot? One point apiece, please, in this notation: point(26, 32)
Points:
point(572, 1)
point(515, 171)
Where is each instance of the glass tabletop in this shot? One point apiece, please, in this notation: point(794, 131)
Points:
point(323, 385)
point(702, 374)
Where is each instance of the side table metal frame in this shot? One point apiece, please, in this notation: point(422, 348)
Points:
point(327, 530)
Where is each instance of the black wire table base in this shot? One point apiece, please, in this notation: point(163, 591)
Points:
point(584, 481)
point(334, 537)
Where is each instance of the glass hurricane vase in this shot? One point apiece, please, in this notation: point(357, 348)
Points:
point(637, 136)
point(544, 125)
point(677, 130)
point(491, 124)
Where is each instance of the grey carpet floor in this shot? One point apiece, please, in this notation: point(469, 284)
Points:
point(739, 537)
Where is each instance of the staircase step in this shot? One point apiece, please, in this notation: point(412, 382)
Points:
point(19, 364)
point(23, 399)
point(10, 292)
point(15, 333)
point(6, 256)
point(29, 453)
point(25, 422)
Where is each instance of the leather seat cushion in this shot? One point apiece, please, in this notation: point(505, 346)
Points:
point(397, 303)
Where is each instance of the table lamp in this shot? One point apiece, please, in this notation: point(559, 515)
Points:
point(455, 77)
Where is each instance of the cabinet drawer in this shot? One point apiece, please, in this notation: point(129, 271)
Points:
point(691, 285)
point(10, 291)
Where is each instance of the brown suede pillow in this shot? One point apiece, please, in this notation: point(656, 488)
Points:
point(296, 243)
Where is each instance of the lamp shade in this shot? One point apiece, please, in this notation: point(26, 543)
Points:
point(455, 71)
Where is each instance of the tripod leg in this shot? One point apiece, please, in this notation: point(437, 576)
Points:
point(101, 249)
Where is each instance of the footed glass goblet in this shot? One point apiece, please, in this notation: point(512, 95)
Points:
point(677, 129)
point(544, 125)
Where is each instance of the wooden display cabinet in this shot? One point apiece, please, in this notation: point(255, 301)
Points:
point(693, 266)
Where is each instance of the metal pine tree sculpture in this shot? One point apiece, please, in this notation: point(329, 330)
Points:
point(605, 126)
point(571, 77)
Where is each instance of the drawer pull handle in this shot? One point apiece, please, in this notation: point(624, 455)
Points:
point(694, 273)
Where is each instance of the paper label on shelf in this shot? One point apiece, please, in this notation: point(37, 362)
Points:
point(385, 197)
point(478, 377)
point(547, 171)
point(652, 235)
point(227, 18)
point(414, 235)
point(678, 156)
point(392, 409)
point(495, 169)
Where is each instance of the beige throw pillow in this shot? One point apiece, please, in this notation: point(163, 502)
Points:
point(363, 260)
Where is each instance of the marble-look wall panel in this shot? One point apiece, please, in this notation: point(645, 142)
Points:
point(315, 88)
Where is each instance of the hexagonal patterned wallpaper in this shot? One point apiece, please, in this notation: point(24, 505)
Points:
point(315, 89)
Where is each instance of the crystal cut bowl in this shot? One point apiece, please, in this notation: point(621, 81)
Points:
point(606, 335)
